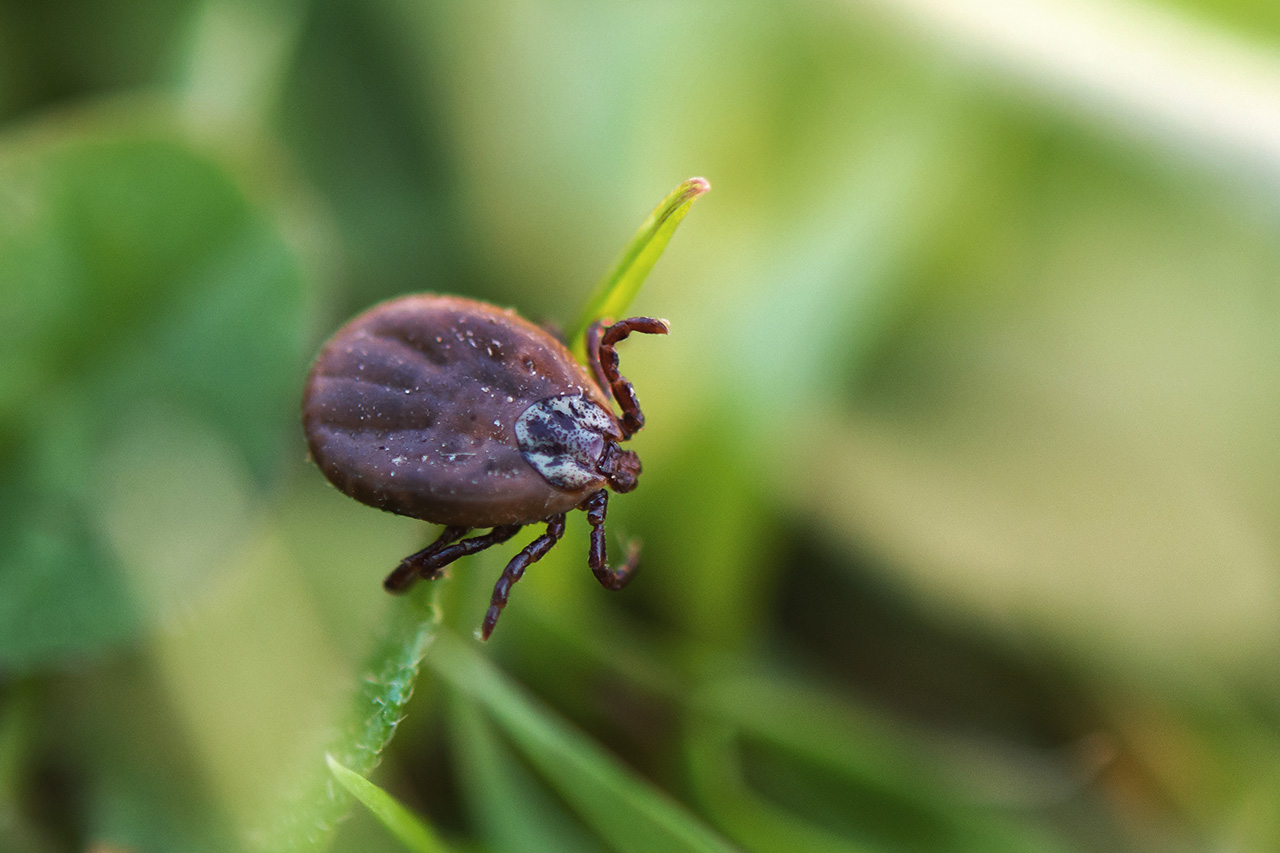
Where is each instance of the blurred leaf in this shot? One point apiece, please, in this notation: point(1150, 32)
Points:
point(785, 767)
point(64, 50)
point(619, 286)
point(308, 821)
point(133, 809)
point(17, 721)
point(709, 572)
point(140, 289)
point(413, 831)
point(234, 92)
point(510, 807)
point(364, 128)
point(628, 812)
point(1067, 432)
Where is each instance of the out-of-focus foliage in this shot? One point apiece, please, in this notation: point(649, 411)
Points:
point(153, 320)
point(961, 477)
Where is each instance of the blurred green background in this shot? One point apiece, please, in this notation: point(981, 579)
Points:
point(961, 473)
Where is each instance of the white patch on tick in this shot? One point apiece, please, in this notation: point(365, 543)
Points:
point(563, 439)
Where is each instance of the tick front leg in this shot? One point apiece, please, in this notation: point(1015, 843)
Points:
point(594, 331)
point(596, 506)
point(533, 552)
point(410, 568)
point(604, 364)
point(429, 561)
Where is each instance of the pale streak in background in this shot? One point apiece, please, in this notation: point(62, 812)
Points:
point(1174, 78)
point(239, 55)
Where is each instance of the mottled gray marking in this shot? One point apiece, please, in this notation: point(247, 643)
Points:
point(563, 439)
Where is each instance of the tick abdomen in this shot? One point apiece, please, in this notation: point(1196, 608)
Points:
point(412, 408)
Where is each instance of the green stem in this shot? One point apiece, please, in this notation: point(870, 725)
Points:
point(377, 708)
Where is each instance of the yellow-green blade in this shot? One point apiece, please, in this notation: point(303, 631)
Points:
point(412, 831)
point(619, 286)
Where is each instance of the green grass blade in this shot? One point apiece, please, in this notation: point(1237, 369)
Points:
point(414, 833)
point(512, 809)
point(621, 807)
point(717, 779)
point(376, 710)
point(619, 286)
point(868, 764)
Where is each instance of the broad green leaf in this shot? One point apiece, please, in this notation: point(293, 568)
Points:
point(153, 320)
point(619, 286)
point(620, 806)
point(415, 833)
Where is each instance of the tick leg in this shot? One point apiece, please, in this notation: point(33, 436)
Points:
point(594, 331)
point(431, 564)
point(604, 364)
point(596, 506)
point(533, 552)
point(410, 568)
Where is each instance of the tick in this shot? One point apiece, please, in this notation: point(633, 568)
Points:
point(467, 415)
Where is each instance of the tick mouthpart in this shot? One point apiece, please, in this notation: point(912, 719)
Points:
point(621, 468)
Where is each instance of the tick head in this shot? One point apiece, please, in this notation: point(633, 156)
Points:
point(620, 467)
point(567, 440)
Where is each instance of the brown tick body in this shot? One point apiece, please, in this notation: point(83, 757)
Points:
point(464, 414)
